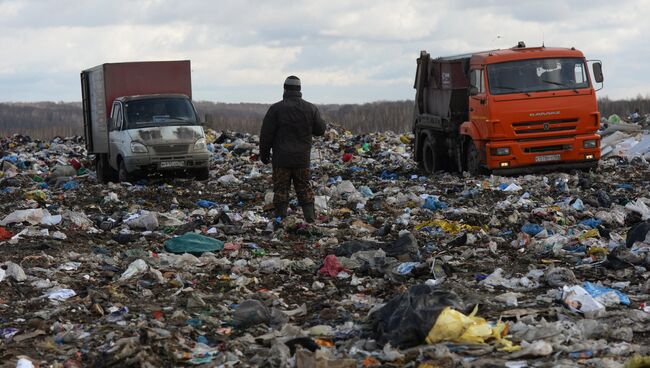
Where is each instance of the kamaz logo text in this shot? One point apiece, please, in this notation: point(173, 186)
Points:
point(545, 113)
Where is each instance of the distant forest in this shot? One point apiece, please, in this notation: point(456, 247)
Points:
point(45, 120)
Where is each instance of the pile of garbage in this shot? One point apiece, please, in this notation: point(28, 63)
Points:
point(625, 139)
point(399, 269)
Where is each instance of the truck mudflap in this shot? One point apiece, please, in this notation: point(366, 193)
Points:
point(581, 165)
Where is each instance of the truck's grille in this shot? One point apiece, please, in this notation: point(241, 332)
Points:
point(167, 149)
point(533, 127)
point(558, 147)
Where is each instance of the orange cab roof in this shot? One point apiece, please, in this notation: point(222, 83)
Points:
point(499, 56)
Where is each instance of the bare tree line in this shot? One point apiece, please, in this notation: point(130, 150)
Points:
point(369, 117)
point(624, 108)
point(45, 120)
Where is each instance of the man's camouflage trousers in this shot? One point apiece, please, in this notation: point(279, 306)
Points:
point(282, 179)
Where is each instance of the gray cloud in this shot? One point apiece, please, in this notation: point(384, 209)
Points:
point(344, 51)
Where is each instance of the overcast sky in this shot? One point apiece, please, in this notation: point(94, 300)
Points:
point(347, 51)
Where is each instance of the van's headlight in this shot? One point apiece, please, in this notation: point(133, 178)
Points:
point(199, 145)
point(138, 147)
point(501, 151)
point(589, 143)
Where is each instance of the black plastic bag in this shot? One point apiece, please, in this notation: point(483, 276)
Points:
point(406, 320)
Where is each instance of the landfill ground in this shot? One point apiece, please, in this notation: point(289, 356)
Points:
point(97, 286)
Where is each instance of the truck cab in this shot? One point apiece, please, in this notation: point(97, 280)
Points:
point(139, 118)
point(507, 111)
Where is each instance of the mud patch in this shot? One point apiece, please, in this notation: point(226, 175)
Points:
point(150, 135)
point(186, 133)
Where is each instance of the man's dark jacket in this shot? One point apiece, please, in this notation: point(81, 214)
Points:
point(287, 129)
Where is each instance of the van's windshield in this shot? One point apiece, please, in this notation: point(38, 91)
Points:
point(536, 75)
point(159, 112)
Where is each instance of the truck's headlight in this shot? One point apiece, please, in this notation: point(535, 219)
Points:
point(589, 143)
point(199, 145)
point(138, 147)
point(501, 151)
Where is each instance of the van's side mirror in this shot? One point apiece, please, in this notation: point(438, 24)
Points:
point(597, 68)
point(473, 90)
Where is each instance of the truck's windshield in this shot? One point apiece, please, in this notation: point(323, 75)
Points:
point(159, 111)
point(536, 75)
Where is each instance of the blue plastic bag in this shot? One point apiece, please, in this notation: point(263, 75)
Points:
point(532, 229)
point(365, 191)
point(578, 205)
point(387, 175)
point(205, 203)
point(433, 203)
point(592, 223)
point(597, 291)
point(406, 267)
point(70, 185)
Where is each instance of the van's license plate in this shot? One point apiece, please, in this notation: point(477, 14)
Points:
point(167, 164)
point(546, 158)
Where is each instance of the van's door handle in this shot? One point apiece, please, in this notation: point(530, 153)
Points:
point(471, 109)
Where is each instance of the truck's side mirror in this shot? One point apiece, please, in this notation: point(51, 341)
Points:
point(597, 67)
point(473, 90)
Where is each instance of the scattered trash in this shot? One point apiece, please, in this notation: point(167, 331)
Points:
point(579, 300)
point(61, 294)
point(135, 268)
point(253, 312)
point(170, 271)
point(331, 266)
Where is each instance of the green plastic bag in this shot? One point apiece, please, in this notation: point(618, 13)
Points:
point(193, 243)
point(614, 119)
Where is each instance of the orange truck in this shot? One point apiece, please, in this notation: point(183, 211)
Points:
point(518, 110)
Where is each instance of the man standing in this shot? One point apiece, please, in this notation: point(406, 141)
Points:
point(287, 130)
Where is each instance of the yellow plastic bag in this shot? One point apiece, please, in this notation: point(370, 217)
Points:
point(637, 361)
point(37, 195)
point(593, 233)
point(404, 139)
point(454, 326)
point(450, 227)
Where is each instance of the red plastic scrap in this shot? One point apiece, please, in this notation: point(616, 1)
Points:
point(5, 234)
point(75, 163)
point(331, 266)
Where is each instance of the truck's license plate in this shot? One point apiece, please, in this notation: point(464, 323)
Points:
point(165, 164)
point(546, 158)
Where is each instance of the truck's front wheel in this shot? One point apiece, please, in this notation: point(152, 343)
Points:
point(473, 160)
point(429, 155)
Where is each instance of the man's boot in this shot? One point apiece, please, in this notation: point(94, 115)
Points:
point(309, 212)
point(281, 210)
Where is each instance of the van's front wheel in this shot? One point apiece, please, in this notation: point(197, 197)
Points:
point(123, 174)
point(202, 173)
point(105, 173)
